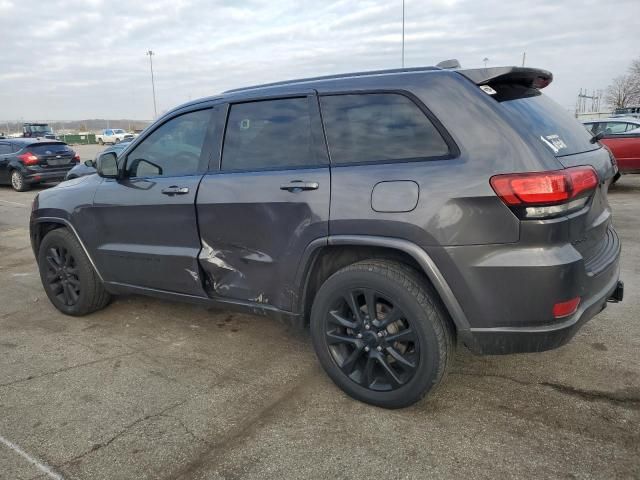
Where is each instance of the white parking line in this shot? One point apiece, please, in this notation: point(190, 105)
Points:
point(14, 203)
point(42, 467)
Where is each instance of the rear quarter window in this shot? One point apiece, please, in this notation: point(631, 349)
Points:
point(378, 127)
point(532, 112)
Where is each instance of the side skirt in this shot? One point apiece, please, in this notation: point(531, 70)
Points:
point(289, 318)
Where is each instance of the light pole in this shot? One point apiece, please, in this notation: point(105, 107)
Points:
point(485, 60)
point(402, 33)
point(153, 85)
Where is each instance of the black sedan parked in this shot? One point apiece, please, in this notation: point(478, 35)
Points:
point(88, 167)
point(27, 161)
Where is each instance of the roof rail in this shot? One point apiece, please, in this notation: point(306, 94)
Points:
point(337, 76)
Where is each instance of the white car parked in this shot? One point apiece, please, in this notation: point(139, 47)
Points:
point(113, 135)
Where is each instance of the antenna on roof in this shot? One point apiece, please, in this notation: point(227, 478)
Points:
point(449, 64)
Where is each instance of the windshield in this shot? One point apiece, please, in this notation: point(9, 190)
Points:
point(537, 114)
point(39, 128)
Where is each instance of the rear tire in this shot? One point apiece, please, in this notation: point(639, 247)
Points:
point(68, 278)
point(380, 333)
point(100, 141)
point(18, 181)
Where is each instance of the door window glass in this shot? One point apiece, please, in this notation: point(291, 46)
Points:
point(173, 149)
point(614, 128)
point(269, 134)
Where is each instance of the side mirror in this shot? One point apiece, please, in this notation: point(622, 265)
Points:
point(598, 136)
point(90, 163)
point(107, 165)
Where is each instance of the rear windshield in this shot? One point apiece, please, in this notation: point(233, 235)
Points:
point(49, 148)
point(546, 120)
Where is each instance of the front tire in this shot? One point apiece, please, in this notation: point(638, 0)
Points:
point(100, 141)
point(380, 333)
point(18, 181)
point(67, 275)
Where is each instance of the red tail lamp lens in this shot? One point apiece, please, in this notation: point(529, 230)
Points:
point(545, 188)
point(564, 309)
point(28, 158)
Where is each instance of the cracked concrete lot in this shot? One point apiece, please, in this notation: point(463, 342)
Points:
point(147, 389)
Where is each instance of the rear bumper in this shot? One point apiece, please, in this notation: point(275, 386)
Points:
point(37, 176)
point(503, 340)
point(508, 292)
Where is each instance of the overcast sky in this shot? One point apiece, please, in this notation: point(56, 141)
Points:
point(72, 59)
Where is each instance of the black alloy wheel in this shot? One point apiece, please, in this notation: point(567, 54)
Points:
point(68, 276)
point(371, 340)
point(381, 333)
point(62, 275)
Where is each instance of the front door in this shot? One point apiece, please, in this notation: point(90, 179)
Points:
point(266, 202)
point(147, 232)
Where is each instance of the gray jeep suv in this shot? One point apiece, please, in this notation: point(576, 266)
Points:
point(394, 212)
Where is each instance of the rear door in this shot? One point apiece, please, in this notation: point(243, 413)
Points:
point(626, 150)
point(145, 224)
point(266, 200)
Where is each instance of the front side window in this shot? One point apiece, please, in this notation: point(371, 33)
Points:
point(173, 149)
point(269, 134)
point(378, 127)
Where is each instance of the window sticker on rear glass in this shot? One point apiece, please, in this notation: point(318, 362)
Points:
point(554, 142)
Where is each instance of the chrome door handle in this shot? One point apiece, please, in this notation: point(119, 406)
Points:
point(175, 190)
point(299, 186)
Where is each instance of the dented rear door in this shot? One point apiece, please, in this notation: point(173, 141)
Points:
point(266, 201)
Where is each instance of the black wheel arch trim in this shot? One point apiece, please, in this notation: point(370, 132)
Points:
point(418, 254)
point(72, 229)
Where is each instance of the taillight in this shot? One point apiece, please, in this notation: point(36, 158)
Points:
point(546, 194)
point(76, 157)
point(564, 309)
point(28, 158)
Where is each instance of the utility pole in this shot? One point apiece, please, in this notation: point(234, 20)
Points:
point(524, 57)
point(402, 33)
point(153, 85)
point(485, 60)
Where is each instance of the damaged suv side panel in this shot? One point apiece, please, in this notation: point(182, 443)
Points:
point(265, 198)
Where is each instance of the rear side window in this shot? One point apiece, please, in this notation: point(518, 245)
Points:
point(269, 134)
point(531, 112)
point(378, 127)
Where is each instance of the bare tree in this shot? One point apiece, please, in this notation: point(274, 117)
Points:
point(621, 92)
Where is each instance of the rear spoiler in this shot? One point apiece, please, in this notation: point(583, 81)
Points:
point(528, 77)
